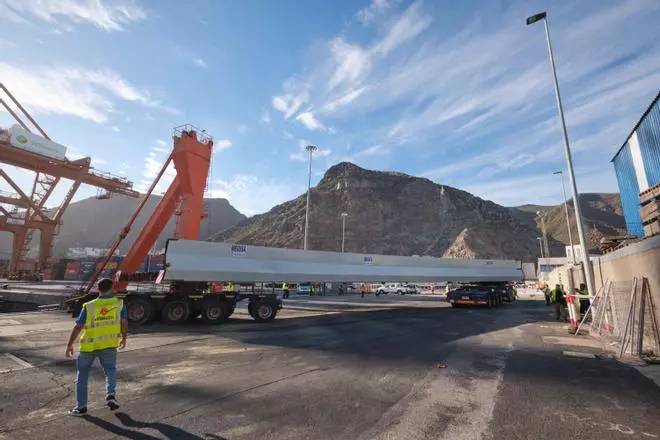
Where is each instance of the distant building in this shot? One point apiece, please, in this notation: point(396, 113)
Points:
point(637, 165)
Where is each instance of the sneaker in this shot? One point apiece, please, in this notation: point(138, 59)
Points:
point(112, 403)
point(78, 412)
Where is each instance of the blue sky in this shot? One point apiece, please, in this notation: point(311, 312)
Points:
point(456, 91)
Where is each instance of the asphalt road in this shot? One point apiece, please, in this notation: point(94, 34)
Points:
point(332, 368)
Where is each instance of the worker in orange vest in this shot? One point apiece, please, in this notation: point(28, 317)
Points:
point(363, 289)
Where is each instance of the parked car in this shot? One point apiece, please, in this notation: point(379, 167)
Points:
point(398, 288)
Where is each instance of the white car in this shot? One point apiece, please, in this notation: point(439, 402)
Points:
point(398, 288)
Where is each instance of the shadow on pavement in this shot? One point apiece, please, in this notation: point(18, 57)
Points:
point(169, 431)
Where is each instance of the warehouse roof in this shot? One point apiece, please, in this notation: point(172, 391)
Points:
point(646, 112)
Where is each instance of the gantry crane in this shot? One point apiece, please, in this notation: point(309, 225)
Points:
point(29, 212)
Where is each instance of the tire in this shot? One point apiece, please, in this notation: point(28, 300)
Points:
point(263, 311)
point(400, 292)
point(215, 311)
point(176, 311)
point(139, 310)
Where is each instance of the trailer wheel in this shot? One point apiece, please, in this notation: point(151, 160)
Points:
point(139, 310)
point(176, 311)
point(214, 311)
point(263, 311)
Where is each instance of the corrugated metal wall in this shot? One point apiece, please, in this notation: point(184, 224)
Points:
point(629, 190)
point(648, 134)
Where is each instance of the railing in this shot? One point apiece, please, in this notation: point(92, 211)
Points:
point(202, 136)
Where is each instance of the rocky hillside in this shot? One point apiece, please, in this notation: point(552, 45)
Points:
point(95, 223)
point(603, 216)
point(392, 213)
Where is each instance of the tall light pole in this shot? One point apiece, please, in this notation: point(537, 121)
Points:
point(568, 217)
point(343, 230)
point(588, 273)
point(311, 149)
point(544, 234)
point(540, 239)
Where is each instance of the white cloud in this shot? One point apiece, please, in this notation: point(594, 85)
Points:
point(113, 15)
point(287, 135)
point(241, 190)
point(408, 26)
point(348, 98)
point(162, 143)
point(351, 63)
point(200, 62)
point(309, 121)
point(221, 144)
point(88, 94)
point(153, 163)
point(265, 118)
point(115, 129)
point(368, 14)
point(242, 128)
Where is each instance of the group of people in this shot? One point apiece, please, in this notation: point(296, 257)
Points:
point(557, 296)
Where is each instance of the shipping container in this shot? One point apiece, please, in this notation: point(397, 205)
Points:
point(637, 165)
point(35, 144)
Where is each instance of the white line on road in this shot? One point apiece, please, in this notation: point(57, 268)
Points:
point(19, 361)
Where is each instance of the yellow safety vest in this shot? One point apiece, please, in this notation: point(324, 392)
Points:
point(285, 286)
point(230, 287)
point(102, 324)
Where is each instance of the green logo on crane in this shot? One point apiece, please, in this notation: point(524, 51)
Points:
point(21, 139)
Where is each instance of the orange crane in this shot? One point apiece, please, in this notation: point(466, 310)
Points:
point(29, 212)
point(191, 157)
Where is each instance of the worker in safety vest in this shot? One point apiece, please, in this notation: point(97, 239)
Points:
point(546, 292)
point(559, 300)
point(583, 296)
point(363, 290)
point(230, 288)
point(285, 290)
point(104, 326)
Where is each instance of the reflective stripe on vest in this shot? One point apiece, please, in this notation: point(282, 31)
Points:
point(102, 324)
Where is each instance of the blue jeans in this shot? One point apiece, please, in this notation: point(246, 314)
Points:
point(108, 360)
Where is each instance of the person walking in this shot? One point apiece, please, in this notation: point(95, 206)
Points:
point(363, 289)
point(104, 326)
point(285, 290)
point(546, 292)
point(559, 299)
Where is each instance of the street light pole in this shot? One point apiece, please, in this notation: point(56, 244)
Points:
point(311, 149)
point(588, 273)
point(568, 218)
point(343, 230)
point(540, 239)
point(544, 234)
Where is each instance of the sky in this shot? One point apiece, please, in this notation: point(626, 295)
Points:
point(458, 91)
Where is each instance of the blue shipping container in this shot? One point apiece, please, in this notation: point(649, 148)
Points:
point(637, 165)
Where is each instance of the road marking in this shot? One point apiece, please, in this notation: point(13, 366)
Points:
point(19, 361)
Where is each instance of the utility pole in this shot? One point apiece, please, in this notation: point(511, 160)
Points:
point(343, 230)
point(311, 149)
point(588, 272)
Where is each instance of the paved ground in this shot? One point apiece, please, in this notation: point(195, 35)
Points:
point(332, 368)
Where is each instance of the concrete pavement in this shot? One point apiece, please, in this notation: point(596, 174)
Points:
point(333, 368)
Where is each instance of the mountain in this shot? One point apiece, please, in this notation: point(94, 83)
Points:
point(392, 213)
point(95, 223)
point(602, 215)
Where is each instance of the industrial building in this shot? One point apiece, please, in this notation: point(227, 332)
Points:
point(637, 165)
